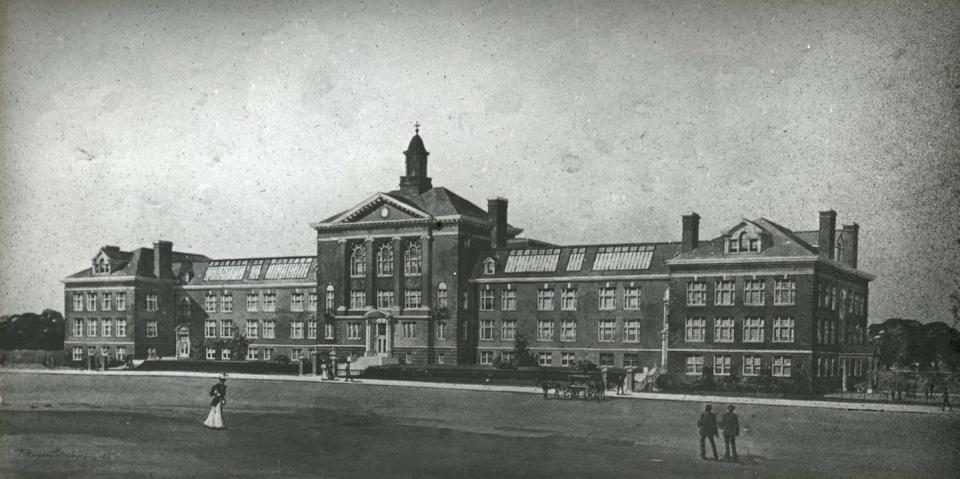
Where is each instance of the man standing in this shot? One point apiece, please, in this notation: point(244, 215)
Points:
point(346, 369)
point(620, 380)
point(708, 429)
point(946, 398)
point(731, 429)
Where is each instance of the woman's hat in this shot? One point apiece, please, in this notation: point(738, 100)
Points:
point(223, 376)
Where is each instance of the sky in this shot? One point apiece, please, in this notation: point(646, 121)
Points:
point(228, 127)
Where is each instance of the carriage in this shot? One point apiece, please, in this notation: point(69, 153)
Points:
point(576, 386)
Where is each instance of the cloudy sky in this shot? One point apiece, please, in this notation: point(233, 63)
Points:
point(228, 127)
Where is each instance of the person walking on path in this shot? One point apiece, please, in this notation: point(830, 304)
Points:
point(708, 429)
point(219, 392)
point(730, 424)
point(946, 399)
point(346, 368)
point(620, 380)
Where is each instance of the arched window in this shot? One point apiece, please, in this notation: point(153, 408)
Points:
point(385, 260)
point(101, 266)
point(838, 250)
point(358, 261)
point(744, 242)
point(442, 295)
point(413, 258)
point(331, 300)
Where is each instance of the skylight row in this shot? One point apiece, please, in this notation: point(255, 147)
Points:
point(532, 260)
point(225, 270)
point(288, 268)
point(233, 270)
point(623, 257)
point(575, 262)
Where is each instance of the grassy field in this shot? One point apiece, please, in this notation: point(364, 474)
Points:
point(95, 426)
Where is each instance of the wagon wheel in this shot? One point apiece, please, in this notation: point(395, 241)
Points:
point(567, 394)
point(591, 394)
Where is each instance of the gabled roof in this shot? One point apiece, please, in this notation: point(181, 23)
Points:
point(784, 243)
point(138, 262)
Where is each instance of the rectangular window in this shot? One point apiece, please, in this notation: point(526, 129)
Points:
point(508, 330)
point(508, 300)
point(353, 330)
point(723, 330)
point(296, 354)
point(225, 354)
point(486, 357)
point(486, 300)
point(152, 302)
point(106, 301)
point(151, 328)
point(252, 354)
point(724, 293)
point(753, 292)
point(782, 366)
point(121, 328)
point(270, 302)
point(210, 303)
point(784, 292)
point(226, 328)
point(508, 357)
point(441, 330)
point(253, 328)
point(78, 353)
point(253, 302)
point(385, 299)
point(78, 328)
point(568, 330)
point(631, 298)
point(721, 365)
point(568, 359)
point(606, 330)
point(105, 325)
point(211, 354)
point(268, 354)
point(631, 360)
point(91, 301)
point(92, 327)
point(442, 297)
point(358, 299)
point(408, 330)
point(269, 329)
point(121, 352)
point(545, 300)
point(568, 299)
point(312, 301)
point(486, 330)
point(545, 330)
point(328, 330)
point(631, 331)
point(607, 299)
point(226, 303)
point(296, 329)
point(311, 330)
point(78, 301)
point(606, 359)
point(210, 328)
point(696, 293)
point(412, 299)
point(753, 330)
point(783, 329)
point(751, 365)
point(695, 330)
point(122, 301)
point(296, 301)
point(545, 359)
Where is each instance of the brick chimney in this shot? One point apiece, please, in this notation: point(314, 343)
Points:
point(828, 231)
point(497, 210)
point(851, 240)
point(163, 259)
point(690, 238)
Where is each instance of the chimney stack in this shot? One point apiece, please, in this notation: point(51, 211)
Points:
point(497, 210)
point(828, 231)
point(690, 238)
point(851, 240)
point(163, 259)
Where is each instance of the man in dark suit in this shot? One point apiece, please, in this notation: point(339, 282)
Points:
point(731, 429)
point(708, 429)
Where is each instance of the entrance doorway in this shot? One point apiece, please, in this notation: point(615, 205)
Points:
point(183, 343)
point(382, 339)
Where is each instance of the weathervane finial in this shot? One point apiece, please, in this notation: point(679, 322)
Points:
point(416, 127)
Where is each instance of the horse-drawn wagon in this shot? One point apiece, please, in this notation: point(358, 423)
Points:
point(576, 386)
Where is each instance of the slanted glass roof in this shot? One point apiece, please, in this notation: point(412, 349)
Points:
point(532, 260)
point(231, 270)
point(288, 268)
point(623, 257)
point(575, 262)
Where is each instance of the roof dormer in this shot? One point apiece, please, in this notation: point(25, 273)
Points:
point(746, 237)
point(102, 264)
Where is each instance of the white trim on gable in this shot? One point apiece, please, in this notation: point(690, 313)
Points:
point(372, 203)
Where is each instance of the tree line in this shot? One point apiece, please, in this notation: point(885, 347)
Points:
point(44, 331)
point(910, 344)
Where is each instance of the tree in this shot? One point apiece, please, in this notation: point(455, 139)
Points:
point(42, 331)
point(522, 351)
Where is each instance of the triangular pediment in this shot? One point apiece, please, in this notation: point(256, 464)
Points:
point(380, 207)
point(745, 226)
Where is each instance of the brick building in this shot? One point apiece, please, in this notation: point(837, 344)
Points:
point(422, 275)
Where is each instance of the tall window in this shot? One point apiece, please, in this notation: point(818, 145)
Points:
point(696, 293)
point(358, 261)
point(270, 301)
point(210, 328)
point(508, 300)
point(544, 330)
point(724, 293)
point(568, 299)
point(106, 302)
point(226, 328)
point(122, 301)
point(269, 329)
point(121, 328)
point(486, 300)
point(152, 328)
point(296, 301)
point(783, 329)
point(508, 330)
point(385, 260)
point(441, 330)
point(753, 330)
point(330, 300)
point(412, 259)
point(631, 298)
point(91, 301)
point(226, 302)
point(78, 327)
point(408, 330)
point(78, 301)
point(833, 298)
point(296, 329)
point(312, 301)
point(607, 299)
point(412, 299)
point(92, 327)
point(210, 302)
point(721, 365)
point(568, 330)
point(353, 330)
point(105, 325)
point(545, 300)
point(782, 366)
point(486, 330)
point(606, 330)
point(442, 295)
point(631, 331)
point(784, 291)
point(751, 365)
point(328, 331)
point(694, 364)
point(152, 302)
point(723, 330)
point(753, 292)
point(385, 299)
point(253, 302)
point(358, 299)
point(78, 353)
point(253, 328)
point(695, 330)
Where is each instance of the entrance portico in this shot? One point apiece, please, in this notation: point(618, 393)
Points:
point(379, 333)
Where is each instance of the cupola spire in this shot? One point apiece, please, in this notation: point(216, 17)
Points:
point(416, 181)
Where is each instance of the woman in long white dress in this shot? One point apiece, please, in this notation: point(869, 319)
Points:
point(219, 392)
